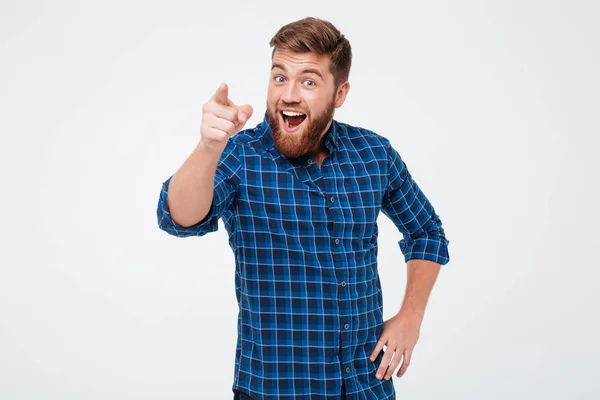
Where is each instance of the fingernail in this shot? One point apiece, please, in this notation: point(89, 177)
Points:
point(379, 376)
point(243, 116)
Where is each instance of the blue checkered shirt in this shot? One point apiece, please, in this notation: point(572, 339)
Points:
point(305, 246)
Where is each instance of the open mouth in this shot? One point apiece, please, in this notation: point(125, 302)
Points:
point(292, 120)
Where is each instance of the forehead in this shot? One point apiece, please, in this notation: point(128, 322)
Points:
point(297, 62)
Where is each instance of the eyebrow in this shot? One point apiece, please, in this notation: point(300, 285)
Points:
point(306, 71)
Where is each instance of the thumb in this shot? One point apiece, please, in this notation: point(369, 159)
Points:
point(244, 113)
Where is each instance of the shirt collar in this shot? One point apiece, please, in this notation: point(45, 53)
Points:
point(266, 135)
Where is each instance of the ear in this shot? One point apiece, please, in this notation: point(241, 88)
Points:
point(341, 94)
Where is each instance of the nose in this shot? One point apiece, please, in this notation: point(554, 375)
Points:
point(291, 93)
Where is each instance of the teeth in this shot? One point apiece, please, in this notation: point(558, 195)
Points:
point(291, 113)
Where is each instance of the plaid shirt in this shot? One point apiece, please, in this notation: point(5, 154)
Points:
point(305, 246)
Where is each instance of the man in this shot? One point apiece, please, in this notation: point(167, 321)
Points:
point(299, 195)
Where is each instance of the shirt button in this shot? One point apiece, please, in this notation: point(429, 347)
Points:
point(337, 241)
point(346, 326)
point(348, 369)
point(343, 283)
point(331, 199)
point(310, 161)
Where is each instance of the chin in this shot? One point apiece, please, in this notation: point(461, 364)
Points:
point(289, 146)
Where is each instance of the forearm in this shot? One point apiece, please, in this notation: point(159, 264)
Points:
point(421, 276)
point(191, 187)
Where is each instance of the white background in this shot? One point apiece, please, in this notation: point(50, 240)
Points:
point(493, 105)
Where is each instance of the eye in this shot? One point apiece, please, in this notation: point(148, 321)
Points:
point(312, 83)
point(279, 77)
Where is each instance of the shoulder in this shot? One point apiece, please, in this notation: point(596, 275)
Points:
point(244, 136)
point(249, 138)
point(359, 138)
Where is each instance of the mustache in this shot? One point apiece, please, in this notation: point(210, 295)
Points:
point(294, 106)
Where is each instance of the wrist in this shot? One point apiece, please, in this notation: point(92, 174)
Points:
point(209, 150)
point(407, 312)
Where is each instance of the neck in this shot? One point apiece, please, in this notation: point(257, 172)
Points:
point(320, 147)
point(320, 152)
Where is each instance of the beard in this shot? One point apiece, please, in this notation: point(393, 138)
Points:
point(307, 138)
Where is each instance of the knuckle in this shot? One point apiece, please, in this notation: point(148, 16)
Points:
point(221, 111)
point(230, 126)
point(232, 114)
point(208, 118)
point(223, 136)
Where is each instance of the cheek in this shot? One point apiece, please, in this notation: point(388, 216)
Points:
point(272, 102)
point(273, 93)
point(313, 103)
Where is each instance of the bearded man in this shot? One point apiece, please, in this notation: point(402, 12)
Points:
point(299, 195)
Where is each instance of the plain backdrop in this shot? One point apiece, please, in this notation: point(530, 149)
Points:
point(493, 105)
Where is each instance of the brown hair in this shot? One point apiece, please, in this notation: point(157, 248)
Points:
point(317, 36)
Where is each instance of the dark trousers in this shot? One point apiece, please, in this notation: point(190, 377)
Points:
point(237, 395)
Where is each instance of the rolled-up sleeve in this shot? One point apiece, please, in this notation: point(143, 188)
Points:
point(412, 213)
point(225, 184)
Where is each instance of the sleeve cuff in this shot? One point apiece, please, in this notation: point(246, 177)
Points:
point(426, 248)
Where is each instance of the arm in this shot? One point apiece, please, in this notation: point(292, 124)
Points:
point(409, 209)
point(425, 249)
point(195, 197)
point(220, 194)
point(401, 332)
point(421, 276)
point(191, 187)
point(424, 243)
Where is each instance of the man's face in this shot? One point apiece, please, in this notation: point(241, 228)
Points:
point(301, 83)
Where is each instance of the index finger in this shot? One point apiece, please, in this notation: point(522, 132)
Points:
point(221, 95)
